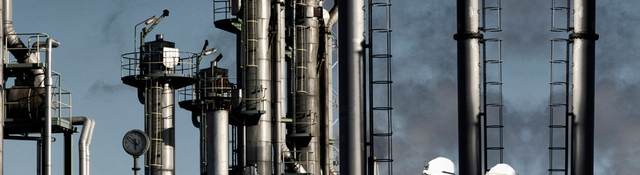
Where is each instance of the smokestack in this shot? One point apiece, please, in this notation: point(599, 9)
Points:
point(351, 39)
point(468, 38)
point(583, 91)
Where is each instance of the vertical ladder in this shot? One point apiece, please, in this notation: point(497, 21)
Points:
point(559, 111)
point(379, 79)
point(492, 114)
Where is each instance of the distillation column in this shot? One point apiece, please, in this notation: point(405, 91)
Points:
point(468, 38)
point(256, 85)
point(157, 72)
point(351, 31)
point(306, 124)
point(584, 37)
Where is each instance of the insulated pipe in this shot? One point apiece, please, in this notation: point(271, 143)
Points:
point(280, 86)
point(468, 37)
point(13, 41)
point(217, 143)
point(333, 14)
point(351, 39)
point(84, 143)
point(19, 49)
point(583, 91)
point(257, 83)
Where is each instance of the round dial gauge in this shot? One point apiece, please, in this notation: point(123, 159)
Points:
point(135, 142)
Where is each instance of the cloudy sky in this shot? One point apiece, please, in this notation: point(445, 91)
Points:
point(95, 32)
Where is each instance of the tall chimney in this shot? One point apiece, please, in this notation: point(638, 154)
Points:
point(468, 38)
point(584, 37)
point(351, 39)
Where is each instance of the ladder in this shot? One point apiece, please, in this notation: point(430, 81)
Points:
point(492, 81)
point(559, 111)
point(379, 82)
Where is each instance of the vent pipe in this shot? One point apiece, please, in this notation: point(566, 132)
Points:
point(351, 39)
point(583, 91)
point(468, 38)
point(280, 85)
point(84, 143)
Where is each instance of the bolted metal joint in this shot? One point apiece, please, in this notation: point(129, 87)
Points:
point(586, 36)
point(468, 35)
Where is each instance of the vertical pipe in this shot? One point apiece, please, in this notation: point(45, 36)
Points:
point(2, 99)
point(280, 92)
point(39, 156)
point(584, 37)
point(84, 142)
point(47, 123)
point(257, 83)
point(351, 39)
point(241, 129)
point(218, 149)
point(468, 37)
point(67, 154)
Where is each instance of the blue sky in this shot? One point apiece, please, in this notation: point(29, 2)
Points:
point(95, 32)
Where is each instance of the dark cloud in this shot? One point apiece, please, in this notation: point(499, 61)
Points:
point(425, 86)
point(100, 88)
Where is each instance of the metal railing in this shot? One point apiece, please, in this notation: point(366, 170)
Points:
point(172, 63)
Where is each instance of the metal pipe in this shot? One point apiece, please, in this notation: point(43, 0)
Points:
point(584, 37)
point(12, 40)
point(257, 84)
point(84, 143)
point(68, 147)
point(280, 86)
point(2, 90)
point(49, 105)
point(217, 144)
point(468, 37)
point(333, 14)
point(351, 39)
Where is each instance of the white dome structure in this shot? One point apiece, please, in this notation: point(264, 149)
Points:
point(439, 166)
point(502, 169)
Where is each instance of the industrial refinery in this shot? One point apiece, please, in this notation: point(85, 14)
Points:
point(319, 87)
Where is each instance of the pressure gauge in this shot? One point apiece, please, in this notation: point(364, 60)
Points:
point(135, 142)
